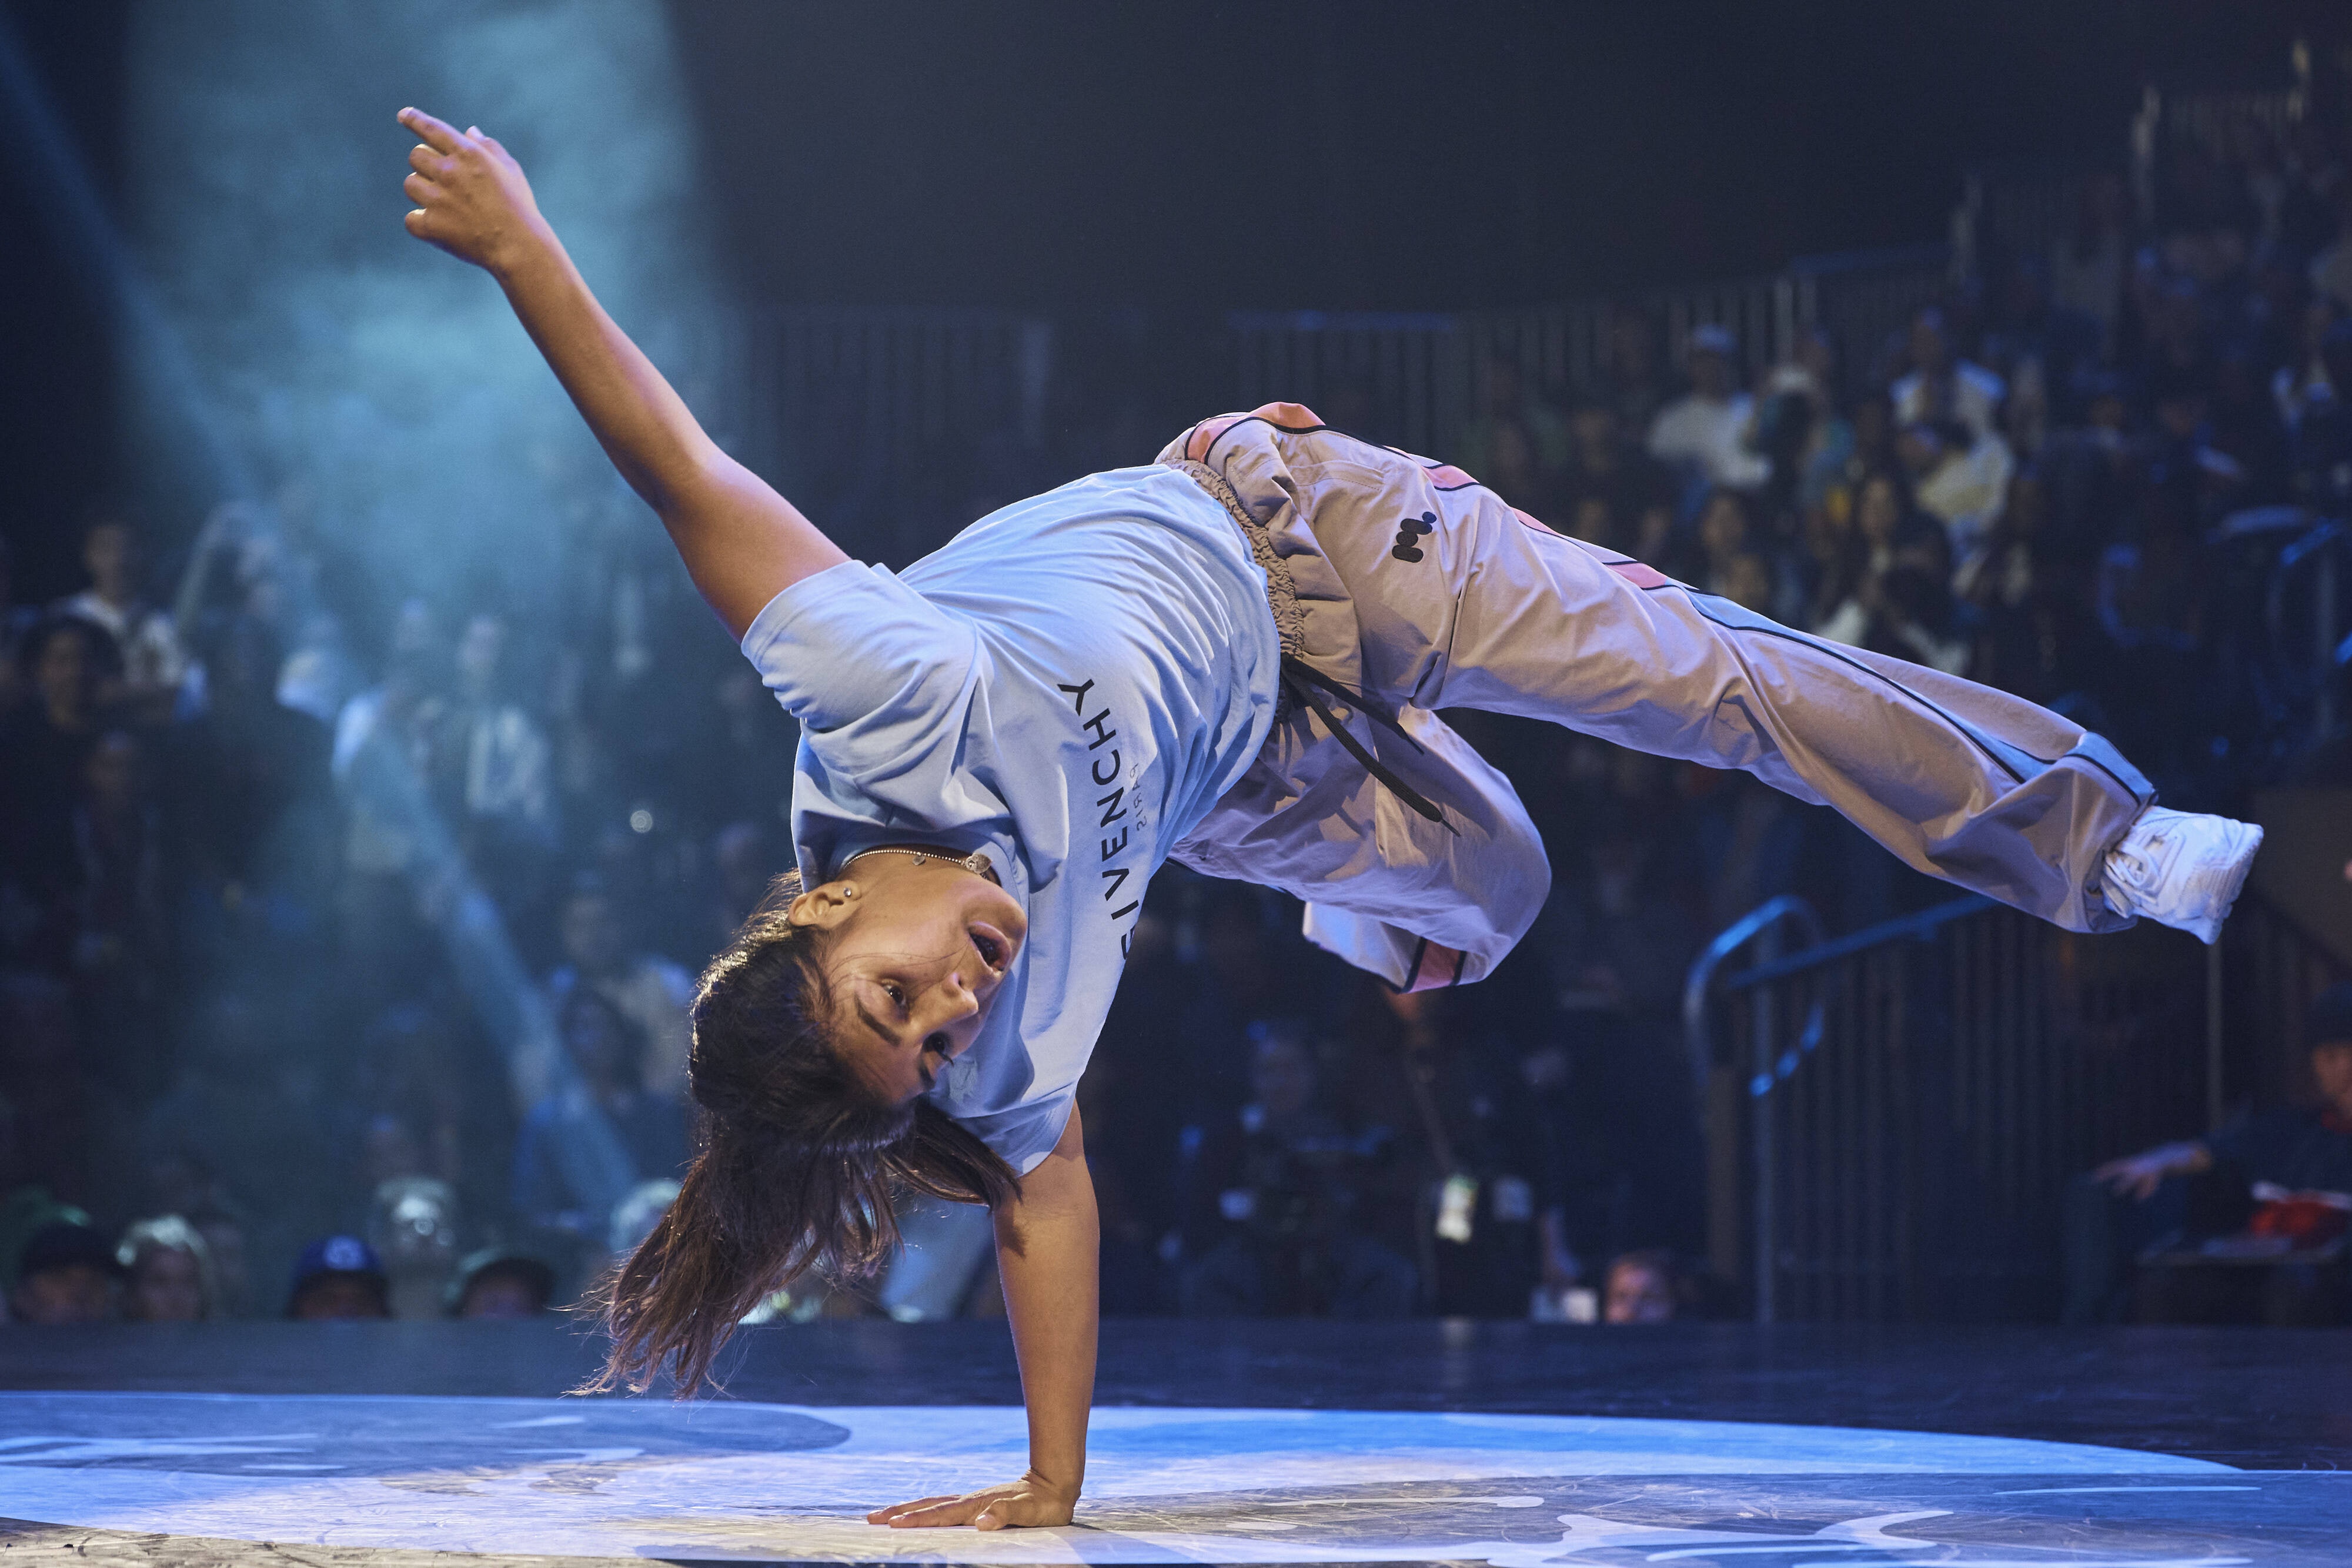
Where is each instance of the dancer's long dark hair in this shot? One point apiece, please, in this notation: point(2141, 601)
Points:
point(798, 1161)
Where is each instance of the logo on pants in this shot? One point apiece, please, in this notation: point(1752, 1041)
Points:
point(1409, 532)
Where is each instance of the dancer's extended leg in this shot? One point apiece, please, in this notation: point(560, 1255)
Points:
point(1463, 603)
point(1973, 785)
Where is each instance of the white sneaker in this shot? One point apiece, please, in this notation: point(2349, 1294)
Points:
point(2181, 869)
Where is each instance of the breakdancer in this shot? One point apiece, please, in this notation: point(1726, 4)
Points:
point(1230, 657)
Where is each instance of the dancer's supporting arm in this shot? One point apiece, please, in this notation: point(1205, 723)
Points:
point(1046, 1244)
point(743, 543)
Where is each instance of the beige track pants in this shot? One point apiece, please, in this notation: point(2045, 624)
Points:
point(1420, 590)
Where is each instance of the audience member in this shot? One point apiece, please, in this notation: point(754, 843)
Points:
point(413, 1227)
point(2302, 379)
point(1959, 479)
point(178, 1180)
point(2300, 1148)
point(2039, 346)
point(339, 1278)
point(154, 676)
point(122, 917)
point(1798, 428)
point(651, 992)
point(223, 1234)
point(45, 748)
point(1628, 375)
point(2320, 444)
point(1249, 970)
point(256, 794)
point(67, 1274)
point(246, 1103)
point(1900, 602)
point(1477, 1140)
point(2086, 265)
point(1708, 434)
point(1723, 538)
point(427, 1104)
point(1515, 442)
point(500, 1284)
point(1648, 1287)
point(1612, 493)
point(2331, 268)
point(2281, 1189)
point(168, 1273)
point(1941, 387)
point(606, 1050)
point(375, 764)
point(639, 1210)
point(490, 767)
point(2029, 633)
point(1275, 1229)
point(1618, 938)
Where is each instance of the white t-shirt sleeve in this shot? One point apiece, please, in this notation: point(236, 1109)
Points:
point(1025, 1134)
point(854, 645)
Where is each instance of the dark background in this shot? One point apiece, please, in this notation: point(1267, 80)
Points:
point(1211, 157)
point(1348, 156)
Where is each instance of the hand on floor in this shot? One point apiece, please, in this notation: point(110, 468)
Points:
point(1030, 1500)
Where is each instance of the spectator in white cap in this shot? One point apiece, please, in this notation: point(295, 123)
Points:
point(1940, 387)
point(1707, 434)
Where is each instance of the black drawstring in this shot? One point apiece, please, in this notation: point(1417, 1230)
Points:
point(1300, 679)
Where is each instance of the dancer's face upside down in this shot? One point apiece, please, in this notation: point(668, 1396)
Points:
point(915, 954)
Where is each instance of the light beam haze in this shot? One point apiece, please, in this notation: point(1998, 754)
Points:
point(388, 381)
point(300, 342)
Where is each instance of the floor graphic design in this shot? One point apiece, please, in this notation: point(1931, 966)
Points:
point(716, 1480)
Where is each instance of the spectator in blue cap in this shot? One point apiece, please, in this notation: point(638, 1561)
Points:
point(339, 1278)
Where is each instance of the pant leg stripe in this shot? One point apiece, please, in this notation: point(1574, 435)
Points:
point(1828, 650)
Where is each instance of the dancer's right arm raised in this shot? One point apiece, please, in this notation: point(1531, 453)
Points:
point(743, 543)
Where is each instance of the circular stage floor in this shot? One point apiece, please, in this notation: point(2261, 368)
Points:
point(768, 1482)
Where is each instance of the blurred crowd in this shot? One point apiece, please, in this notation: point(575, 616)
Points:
point(267, 932)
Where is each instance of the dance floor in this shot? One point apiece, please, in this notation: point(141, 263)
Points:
point(1506, 1444)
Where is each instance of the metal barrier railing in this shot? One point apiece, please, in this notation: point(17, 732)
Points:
point(1933, 1083)
point(886, 416)
point(1767, 1061)
point(1416, 376)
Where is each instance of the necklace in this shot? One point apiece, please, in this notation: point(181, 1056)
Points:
point(975, 862)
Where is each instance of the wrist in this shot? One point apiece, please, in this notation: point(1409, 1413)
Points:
point(1061, 1491)
point(530, 253)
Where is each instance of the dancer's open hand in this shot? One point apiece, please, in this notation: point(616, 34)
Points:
point(2135, 1175)
point(1030, 1500)
point(471, 198)
point(2138, 1176)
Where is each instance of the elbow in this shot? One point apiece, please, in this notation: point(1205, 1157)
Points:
point(679, 486)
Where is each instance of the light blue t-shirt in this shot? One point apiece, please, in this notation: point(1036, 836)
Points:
point(1069, 684)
